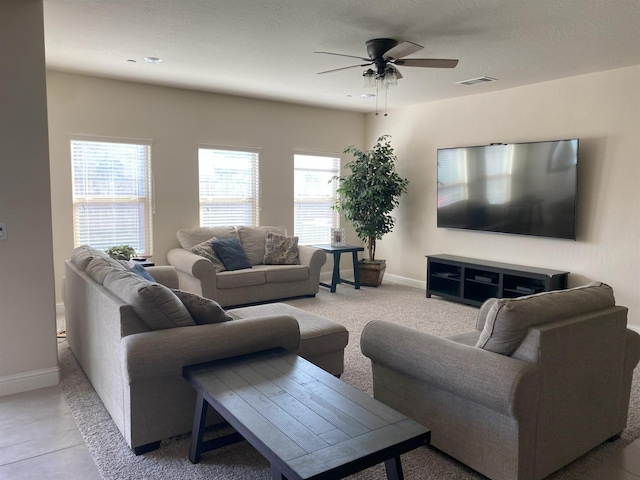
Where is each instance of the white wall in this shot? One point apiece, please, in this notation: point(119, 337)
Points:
point(601, 109)
point(177, 121)
point(27, 306)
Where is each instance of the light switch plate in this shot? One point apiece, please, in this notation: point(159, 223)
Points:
point(3, 231)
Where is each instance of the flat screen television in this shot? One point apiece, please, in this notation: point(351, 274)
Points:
point(516, 188)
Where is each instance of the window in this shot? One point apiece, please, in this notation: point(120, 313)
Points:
point(112, 194)
point(315, 194)
point(228, 187)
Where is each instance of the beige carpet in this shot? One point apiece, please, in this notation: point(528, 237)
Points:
point(353, 308)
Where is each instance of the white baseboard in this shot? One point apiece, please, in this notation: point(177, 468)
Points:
point(60, 308)
point(24, 382)
point(634, 328)
point(407, 282)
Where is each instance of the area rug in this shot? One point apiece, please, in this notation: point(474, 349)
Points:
point(354, 309)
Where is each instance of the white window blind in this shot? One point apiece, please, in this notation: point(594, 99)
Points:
point(112, 202)
point(228, 187)
point(315, 194)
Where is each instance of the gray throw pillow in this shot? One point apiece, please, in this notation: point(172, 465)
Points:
point(155, 304)
point(508, 320)
point(202, 310)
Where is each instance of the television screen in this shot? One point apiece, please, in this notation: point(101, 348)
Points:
point(518, 188)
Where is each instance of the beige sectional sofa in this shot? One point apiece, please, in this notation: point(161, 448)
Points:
point(259, 283)
point(541, 381)
point(133, 336)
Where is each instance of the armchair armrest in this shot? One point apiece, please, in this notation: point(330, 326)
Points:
point(195, 273)
point(163, 353)
point(502, 383)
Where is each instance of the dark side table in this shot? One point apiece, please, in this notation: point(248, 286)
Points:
point(337, 252)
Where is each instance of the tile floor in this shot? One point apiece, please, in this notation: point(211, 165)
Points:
point(39, 440)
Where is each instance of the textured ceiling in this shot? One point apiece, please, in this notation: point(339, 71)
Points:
point(264, 49)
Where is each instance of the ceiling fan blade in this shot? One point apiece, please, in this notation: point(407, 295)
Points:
point(342, 55)
point(345, 68)
point(402, 50)
point(427, 62)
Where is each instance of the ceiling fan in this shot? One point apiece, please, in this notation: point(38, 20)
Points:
point(386, 53)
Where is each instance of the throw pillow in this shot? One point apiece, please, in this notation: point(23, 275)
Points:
point(231, 253)
point(203, 310)
point(205, 249)
point(155, 304)
point(137, 269)
point(508, 320)
point(280, 249)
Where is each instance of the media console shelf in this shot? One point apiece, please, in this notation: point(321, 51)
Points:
point(472, 281)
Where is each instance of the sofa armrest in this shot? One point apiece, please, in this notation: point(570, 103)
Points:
point(195, 273)
point(163, 353)
point(501, 383)
point(315, 258)
point(165, 275)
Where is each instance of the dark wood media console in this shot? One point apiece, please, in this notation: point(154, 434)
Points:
point(472, 281)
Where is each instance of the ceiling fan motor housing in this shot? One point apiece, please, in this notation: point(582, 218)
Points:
point(376, 48)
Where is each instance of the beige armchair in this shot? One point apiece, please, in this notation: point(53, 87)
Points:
point(542, 380)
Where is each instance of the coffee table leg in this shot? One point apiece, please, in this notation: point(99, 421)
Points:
point(276, 474)
point(197, 430)
point(394, 468)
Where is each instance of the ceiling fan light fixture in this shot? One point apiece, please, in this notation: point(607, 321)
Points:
point(369, 77)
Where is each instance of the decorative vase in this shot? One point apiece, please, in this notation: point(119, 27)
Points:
point(371, 273)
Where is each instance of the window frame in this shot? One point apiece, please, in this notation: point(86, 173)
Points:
point(298, 203)
point(85, 198)
point(253, 200)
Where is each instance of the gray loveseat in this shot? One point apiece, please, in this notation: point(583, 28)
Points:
point(124, 332)
point(260, 283)
point(541, 381)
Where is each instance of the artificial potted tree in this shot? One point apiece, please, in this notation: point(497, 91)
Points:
point(367, 197)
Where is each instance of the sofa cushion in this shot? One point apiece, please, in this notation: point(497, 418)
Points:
point(138, 269)
point(253, 241)
point(241, 278)
point(482, 313)
point(155, 304)
point(202, 310)
point(190, 237)
point(83, 254)
point(205, 249)
point(284, 273)
point(99, 267)
point(508, 320)
point(280, 249)
point(231, 253)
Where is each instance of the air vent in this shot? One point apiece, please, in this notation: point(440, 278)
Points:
point(476, 81)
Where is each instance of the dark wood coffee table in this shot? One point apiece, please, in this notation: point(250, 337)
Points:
point(307, 423)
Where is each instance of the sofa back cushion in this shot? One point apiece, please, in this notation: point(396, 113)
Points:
point(155, 304)
point(99, 268)
point(508, 320)
point(83, 254)
point(190, 237)
point(253, 240)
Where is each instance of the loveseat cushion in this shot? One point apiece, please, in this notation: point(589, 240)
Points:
point(508, 320)
point(155, 304)
point(246, 277)
point(280, 249)
point(202, 310)
point(190, 237)
point(231, 253)
point(253, 241)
